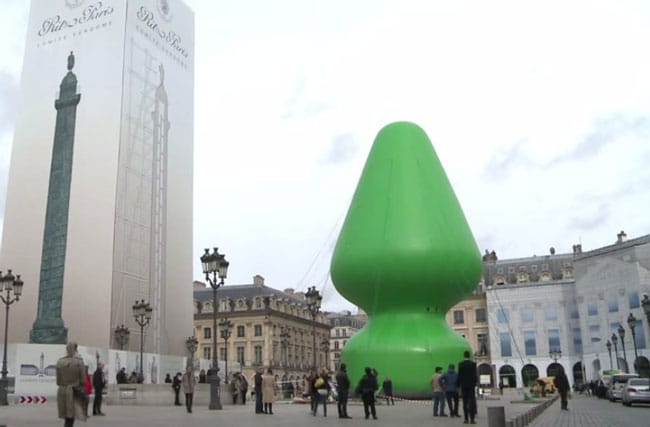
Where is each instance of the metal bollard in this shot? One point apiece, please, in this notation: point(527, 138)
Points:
point(496, 416)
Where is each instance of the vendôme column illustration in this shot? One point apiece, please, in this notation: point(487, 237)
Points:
point(405, 255)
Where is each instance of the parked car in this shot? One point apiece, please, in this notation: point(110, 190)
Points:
point(637, 390)
point(615, 390)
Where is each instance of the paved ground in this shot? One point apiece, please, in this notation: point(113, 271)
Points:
point(286, 415)
point(587, 411)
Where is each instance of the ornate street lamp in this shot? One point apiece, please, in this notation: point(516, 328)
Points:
point(142, 314)
point(631, 322)
point(284, 340)
point(325, 346)
point(215, 268)
point(8, 283)
point(645, 303)
point(621, 334)
point(609, 350)
point(555, 354)
point(192, 344)
point(614, 339)
point(313, 305)
point(226, 330)
point(122, 335)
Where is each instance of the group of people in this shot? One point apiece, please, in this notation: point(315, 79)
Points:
point(264, 388)
point(75, 386)
point(446, 387)
point(134, 378)
point(185, 381)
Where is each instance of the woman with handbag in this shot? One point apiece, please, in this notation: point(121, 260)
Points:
point(322, 387)
point(71, 379)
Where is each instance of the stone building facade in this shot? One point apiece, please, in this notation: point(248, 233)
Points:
point(563, 309)
point(271, 328)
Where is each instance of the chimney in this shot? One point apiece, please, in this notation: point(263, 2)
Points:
point(621, 237)
point(258, 280)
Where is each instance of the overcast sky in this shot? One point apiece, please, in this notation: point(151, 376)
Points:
point(539, 112)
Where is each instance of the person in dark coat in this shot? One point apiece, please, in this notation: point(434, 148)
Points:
point(343, 389)
point(168, 379)
point(562, 385)
point(367, 387)
point(121, 377)
point(258, 391)
point(387, 387)
point(176, 385)
point(99, 382)
point(243, 387)
point(450, 379)
point(467, 381)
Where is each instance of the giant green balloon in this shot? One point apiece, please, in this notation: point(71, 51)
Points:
point(405, 255)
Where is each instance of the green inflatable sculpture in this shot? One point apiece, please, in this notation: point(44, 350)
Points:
point(405, 255)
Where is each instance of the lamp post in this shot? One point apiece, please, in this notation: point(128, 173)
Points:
point(614, 341)
point(555, 354)
point(313, 305)
point(284, 339)
point(226, 330)
point(325, 346)
point(645, 303)
point(8, 283)
point(192, 344)
point(621, 334)
point(631, 322)
point(122, 335)
point(609, 350)
point(142, 314)
point(215, 268)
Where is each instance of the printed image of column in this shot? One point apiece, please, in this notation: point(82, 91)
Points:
point(158, 257)
point(48, 327)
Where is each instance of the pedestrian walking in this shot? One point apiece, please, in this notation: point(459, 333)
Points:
point(70, 379)
point(268, 391)
point(562, 385)
point(99, 382)
point(313, 394)
point(343, 390)
point(467, 381)
point(450, 382)
point(189, 382)
point(366, 388)
point(387, 388)
point(438, 393)
point(322, 387)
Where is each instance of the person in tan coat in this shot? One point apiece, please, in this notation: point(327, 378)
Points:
point(188, 382)
point(268, 391)
point(70, 373)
